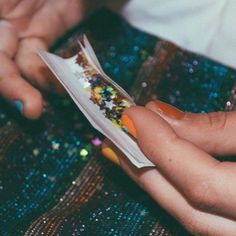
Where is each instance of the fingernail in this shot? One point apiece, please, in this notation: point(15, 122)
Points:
point(168, 110)
point(128, 123)
point(110, 154)
point(19, 106)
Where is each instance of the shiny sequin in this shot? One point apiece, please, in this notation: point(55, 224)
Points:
point(96, 142)
point(84, 152)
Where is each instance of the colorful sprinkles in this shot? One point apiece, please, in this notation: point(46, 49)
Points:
point(103, 93)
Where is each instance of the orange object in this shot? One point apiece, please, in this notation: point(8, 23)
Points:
point(128, 123)
point(169, 110)
point(110, 154)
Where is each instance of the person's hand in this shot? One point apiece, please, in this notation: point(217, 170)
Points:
point(25, 27)
point(198, 190)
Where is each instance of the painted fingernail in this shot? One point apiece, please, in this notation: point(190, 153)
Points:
point(19, 106)
point(168, 110)
point(129, 124)
point(110, 154)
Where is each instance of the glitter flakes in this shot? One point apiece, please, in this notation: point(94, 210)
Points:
point(109, 105)
point(107, 96)
point(84, 152)
point(144, 84)
point(228, 104)
point(52, 178)
point(143, 212)
point(36, 152)
point(55, 145)
point(96, 142)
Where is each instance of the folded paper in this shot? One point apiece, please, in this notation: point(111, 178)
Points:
point(100, 99)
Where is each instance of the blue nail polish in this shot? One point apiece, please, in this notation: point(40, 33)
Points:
point(19, 105)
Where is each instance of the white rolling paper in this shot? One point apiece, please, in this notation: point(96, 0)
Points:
point(99, 98)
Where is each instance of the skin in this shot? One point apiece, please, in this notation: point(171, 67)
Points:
point(25, 27)
point(198, 190)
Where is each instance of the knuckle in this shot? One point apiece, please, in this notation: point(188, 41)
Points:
point(197, 226)
point(8, 43)
point(217, 120)
point(27, 65)
point(201, 230)
point(202, 195)
point(153, 151)
point(7, 8)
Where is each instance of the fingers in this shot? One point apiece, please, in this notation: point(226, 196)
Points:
point(196, 221)
point(15, 9)
point(32, 66)
point(27, 26)
point(17, 91)
point(7, 6)
point(8, 42)
point(38, 33)
point(110, 151)
point(12, 86)
point(49, 23)
point(213, 132)
point(77, 13)
point(204, 181)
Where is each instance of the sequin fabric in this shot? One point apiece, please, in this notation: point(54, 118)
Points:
point(53, 179)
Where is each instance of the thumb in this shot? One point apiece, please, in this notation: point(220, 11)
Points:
point(213, 132)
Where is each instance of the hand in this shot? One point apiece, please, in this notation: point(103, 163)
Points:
point(198, 190)
point(25, 26)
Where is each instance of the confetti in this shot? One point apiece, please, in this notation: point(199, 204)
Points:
point(84, 152)
point(96, 142)
point(104, 94)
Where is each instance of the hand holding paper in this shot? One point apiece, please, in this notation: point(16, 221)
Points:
point(100, 99)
